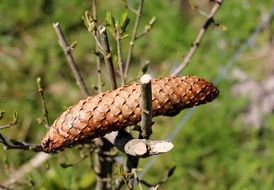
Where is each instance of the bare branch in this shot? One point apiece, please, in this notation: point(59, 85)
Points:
point(119, 55)
point(146, 104)
point(44, 105)
point(97, 46)
point(107, 56)
point(72, 64)
point(14, 144)
point(133, 38)
point(147, 28)
point(199, 37)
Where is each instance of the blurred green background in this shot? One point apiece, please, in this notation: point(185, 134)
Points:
point(227, 144)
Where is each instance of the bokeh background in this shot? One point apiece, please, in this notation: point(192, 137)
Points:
point(227, 144)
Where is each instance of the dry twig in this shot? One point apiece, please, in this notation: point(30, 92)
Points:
point(133, 37)
point(14, 144)
point(71, 61)
point(146, 104)
point(199, 37)
point(107, 56)
point(44, 105)
point(97, 45)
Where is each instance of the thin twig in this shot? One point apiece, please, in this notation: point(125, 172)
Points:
point(14, 144)
point(133, 38)
point(71, 61)
point(146, 104)
point(107, 56)
point(127, 6)
point(96, 36)
point(119, 54)
point(44, 105)
point(147, 28)
point(199, 37)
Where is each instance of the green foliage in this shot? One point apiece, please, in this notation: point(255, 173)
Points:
point(215, 150)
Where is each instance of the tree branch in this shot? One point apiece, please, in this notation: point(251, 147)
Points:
point(199, 37)
point(71, 61)
point(133, 38)
point(107, 56)
point(97, 45)
point(146, 104)
point(14, 144)
point(119, 55)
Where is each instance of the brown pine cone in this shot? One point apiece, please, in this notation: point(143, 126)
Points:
point(117, 109)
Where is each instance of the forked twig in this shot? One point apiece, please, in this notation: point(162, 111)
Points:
point(14, 144)
point(199, 37)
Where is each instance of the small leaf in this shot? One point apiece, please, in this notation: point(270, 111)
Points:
point(223, 28)
point(124, 36)
point(39, 120)
point(89, 22)
point(110, 19)
point(124, 21)
point(152, 21)
point(150, 24)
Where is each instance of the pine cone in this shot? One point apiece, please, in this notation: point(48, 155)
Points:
point(117, 109)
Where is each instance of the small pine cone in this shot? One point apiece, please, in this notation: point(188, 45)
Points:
point(117, 109)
